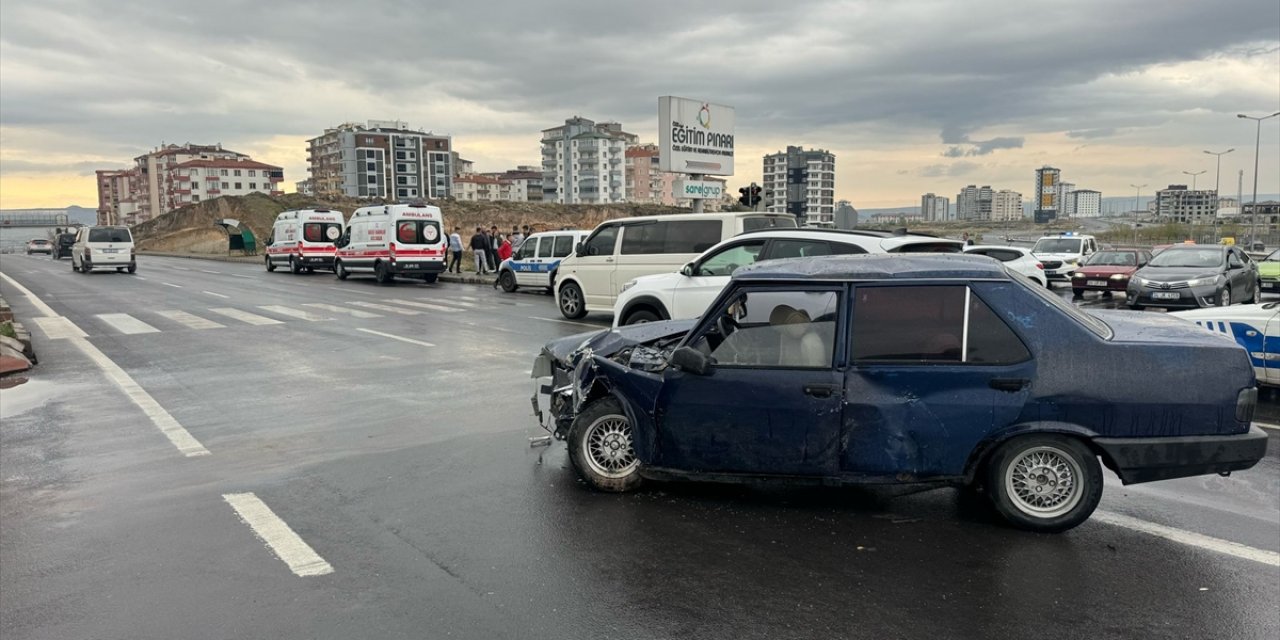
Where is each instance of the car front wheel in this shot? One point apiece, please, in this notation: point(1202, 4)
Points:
point(600, 447)
point(1224, 298)
point(1257, 293)
point(507, 280)
point(572, 306)
point(1046, 483)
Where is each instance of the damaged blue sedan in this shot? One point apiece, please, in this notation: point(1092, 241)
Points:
point(939, 369)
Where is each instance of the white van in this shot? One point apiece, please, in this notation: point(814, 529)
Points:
point(103, 248)
point(535, 261)
point(303, 240)
point(393, 240)
point(619, 251)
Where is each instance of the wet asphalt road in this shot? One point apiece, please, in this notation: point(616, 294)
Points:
point(406, 468)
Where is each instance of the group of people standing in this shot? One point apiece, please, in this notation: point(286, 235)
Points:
point(488, 246)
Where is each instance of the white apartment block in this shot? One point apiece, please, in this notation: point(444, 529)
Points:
point(935, 208)
point(1085, 203)
point(802, 183)
point(583, 162)
point(1066, 208)
point(1006, 204)
point(380, 159)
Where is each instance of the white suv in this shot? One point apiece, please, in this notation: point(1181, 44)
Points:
point(1062, 254)
point(686, 294)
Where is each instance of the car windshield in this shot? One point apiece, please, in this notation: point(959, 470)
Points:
point(1188, 257)
point(1113, 259)
point(1057, 245)
point(109, 234)
point(1274, 256)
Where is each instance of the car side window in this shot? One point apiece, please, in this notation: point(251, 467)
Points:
point(601, 242)
point(903, 324)
point(1233, 260)
point(728, 259)
point(526, 250)
point(563, 246)
point(774, 329)
point(798, 249)
point(544, 248)
point(990, 340)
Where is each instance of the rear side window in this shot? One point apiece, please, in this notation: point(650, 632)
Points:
point(990, 340)
point(109, 234)
point(930, 247)
point(798, 249)
point(563, 246)
point(768, 222)
point(602, 241)
point(417, 232)
point(681, 236)
point(322, 231)
point(544, 248)
point(908, 324)
point(1003, 255)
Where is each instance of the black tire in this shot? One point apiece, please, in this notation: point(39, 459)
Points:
point(74, 268)
point(604, 423)
point(570, 301)
point(430, 278)
point(271, 266)
point(1052, 459)
point(294, 267)
point(133, 268)
point(1224, 297)
point(340, 270)
point(641, 316)
point(1077, 293)
point(1257, 293)
point(507, 280)
point(380, 273)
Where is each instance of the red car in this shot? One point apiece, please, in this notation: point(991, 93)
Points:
point(1107, 271)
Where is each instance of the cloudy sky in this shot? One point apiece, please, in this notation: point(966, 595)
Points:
point(911, 95)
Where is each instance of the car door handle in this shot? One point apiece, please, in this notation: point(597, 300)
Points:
point(608, 259)
point(1009, 384)
point(819, 390)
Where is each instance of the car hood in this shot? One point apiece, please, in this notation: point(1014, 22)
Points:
point(1057, 256)
point(1105, 270)
point(610, 341)
point(1255, 314)
point(658, 280)
point(1269, 269)
point(1159, 328)
point(1175, 274)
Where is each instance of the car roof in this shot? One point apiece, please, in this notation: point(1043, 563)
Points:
point(884, 238)
point(892, 266)
point(978, 247)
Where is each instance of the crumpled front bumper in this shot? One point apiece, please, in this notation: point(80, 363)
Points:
point(553, 399)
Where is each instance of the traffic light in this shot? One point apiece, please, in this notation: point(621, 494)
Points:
point(750, 196)
point(745, 199)
point(755, 195)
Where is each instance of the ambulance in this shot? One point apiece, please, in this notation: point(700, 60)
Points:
point(303, 240)
point(393, 240)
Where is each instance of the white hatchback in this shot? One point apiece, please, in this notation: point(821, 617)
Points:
point(687, 293)
point(1015, 259)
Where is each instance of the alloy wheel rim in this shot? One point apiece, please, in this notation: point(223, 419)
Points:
point(1044, 482)
point(609, 451)
point(569, 300)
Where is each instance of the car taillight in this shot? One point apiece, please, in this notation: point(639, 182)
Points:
point(391, 247)
point(1246, 402)
point(1040, 266)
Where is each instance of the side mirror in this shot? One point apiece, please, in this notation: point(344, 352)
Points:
point(687, 270)
point(580, 249)
point(271, 239)
point(691, 360)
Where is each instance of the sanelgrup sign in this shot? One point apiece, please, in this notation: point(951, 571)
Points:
point(695, 137)
point(699, 189)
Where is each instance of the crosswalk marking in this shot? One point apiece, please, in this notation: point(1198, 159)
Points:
point(383, 307)
point(126, 324)
point(469, 298)
point(336, 309)
point(459, 303)
point(425, 305)
point(56, 327)
point(244, 316)
point(191, 321)
point(302, 314)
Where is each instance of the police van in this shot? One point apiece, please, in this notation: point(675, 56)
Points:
point(393, 240)
point(535, 261)
point(1062, 253)
point(303, 240)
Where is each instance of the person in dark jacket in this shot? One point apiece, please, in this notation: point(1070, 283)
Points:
point(480, 247)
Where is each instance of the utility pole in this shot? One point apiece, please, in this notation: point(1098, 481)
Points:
point(1257, 148)
point(1137, 196)
point(1217, 174)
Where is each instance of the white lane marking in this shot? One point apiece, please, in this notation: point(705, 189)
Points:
point(1265, 425)
point(244, 316)
point(139, 278)
point(36, 302)
point(580, 324)
point(208, 271)
point(336, 309)
point(190, 321)
point(352, 290)
point(126, 324)
point(179, 268)
point(1189, 538)
point(456, 303)
point(425, 305)
point(469, 298)
point(216, 294)
point(180, 437)
point(237, 275)
point(395, 337)
point(302, 314)
point(287, 545)
point(388, 309)
point(170, 284)
point(58, 327)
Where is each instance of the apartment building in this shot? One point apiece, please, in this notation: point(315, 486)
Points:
point(1066, 204)
point(1085, 203)
point(645, 182)
point(1047, 203)
point(1006, 205)
point(801, 182)
point(583, 162)
point(164, 180)
point(1177, 204)
point(525, 182)
point(974, 203)
point(935, 208)
point(380, 159)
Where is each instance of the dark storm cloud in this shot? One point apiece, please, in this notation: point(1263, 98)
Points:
point(133, 73)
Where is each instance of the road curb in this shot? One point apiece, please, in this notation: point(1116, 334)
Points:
point(194, 256)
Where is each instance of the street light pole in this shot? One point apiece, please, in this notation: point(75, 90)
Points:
point(1257, 148)
point(1137, 196)
point(1193, 175)
point(1217, 174)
